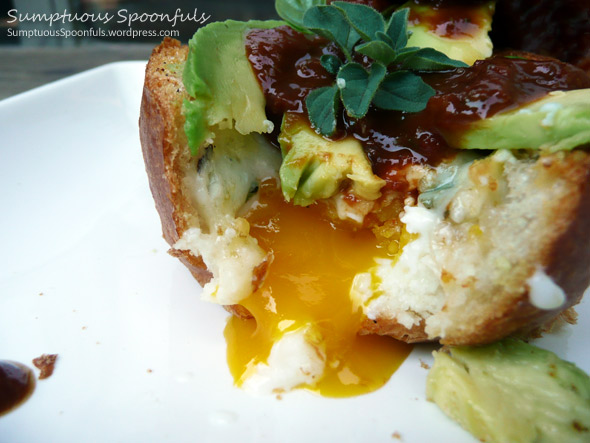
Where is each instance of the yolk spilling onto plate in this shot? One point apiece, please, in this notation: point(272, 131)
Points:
point(308, 282)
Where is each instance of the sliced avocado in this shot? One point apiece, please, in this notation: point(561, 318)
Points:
point(315, 167)
point(511, 391)
point(558, 121)
point(218, 77)
point(467, 48)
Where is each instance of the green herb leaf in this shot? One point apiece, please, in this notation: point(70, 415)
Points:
point(404, 53)
point(366, 20)
point(292, 11)
point(382, 36)
point(429, 59)
point(378, 50)
point(322, 105)
point(384, 42)
point(330, 22)
point(357, 87)
point(403, 91)
point(397, 28)
point(331, 63)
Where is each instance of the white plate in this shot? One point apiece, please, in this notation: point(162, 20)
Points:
point(141, 358)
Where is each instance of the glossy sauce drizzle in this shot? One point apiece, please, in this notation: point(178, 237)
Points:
point(17, 383)
point(287, 66)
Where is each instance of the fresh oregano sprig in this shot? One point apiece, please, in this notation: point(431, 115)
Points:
point(357, 28)
point(292, 11)
point(331, 23)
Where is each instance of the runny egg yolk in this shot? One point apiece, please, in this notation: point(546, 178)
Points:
point(308, 282)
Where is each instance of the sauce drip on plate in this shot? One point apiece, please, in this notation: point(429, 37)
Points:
point(308, 283)
point(16, 385)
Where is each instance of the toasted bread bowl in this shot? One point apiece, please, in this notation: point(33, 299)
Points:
point(531, 216)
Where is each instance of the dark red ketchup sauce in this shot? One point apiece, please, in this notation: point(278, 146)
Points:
point(287, 66)
point(16, 385)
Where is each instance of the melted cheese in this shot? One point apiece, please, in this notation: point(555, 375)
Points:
point(307, 288)
point(410, 284)
point(544, 292)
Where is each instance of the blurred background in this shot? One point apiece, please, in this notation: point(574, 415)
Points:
point(216, 9)
point(32, 55)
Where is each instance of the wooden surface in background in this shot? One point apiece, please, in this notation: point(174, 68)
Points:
point(24, 68)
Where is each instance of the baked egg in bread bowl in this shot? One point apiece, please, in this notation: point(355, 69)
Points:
point(460, 215)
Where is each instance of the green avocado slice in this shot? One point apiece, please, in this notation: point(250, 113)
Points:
point(559, 121)
point(315, 167)
point(511, 391)
point(221, 83)
point(468, 47)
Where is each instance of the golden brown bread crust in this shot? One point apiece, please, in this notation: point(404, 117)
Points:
point(388, 326)
point(565, 256)
point(163, 144)
point(161, 137)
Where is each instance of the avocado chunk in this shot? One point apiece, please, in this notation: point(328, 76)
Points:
point(558, 121)
point(315, 167)
point(221, 83)
point(511, 391)
point(469, 46)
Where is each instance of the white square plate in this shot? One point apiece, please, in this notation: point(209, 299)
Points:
point(84, 273)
